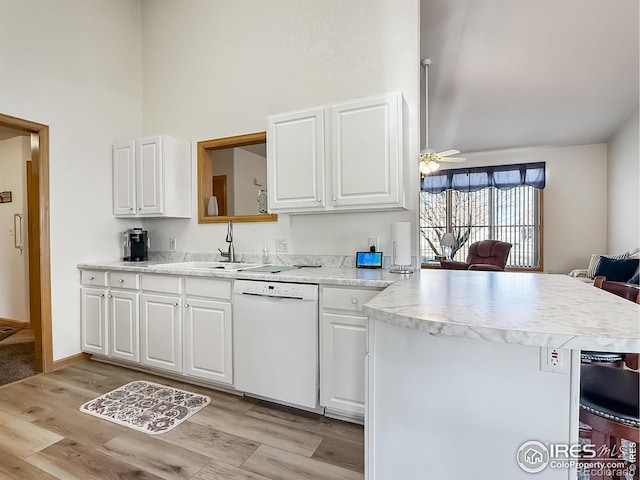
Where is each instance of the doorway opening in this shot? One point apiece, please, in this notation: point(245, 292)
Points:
point(37, 237)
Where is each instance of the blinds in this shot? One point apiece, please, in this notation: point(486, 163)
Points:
point(503, 177)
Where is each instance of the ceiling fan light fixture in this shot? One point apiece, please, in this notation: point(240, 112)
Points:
point(427, 165)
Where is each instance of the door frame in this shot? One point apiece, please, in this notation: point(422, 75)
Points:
point(39, 238)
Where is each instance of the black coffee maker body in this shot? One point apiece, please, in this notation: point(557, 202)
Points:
point(135, 245)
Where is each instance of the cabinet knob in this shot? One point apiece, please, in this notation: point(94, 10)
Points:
point(139, 208)
point(319, 199)
point(335, 199)
point(186, 305)
point(102, 294)
point(91, 278)
point(121, 280)
point(354, 300)
point(175, 304)
point(110, 296)
point(130, 208)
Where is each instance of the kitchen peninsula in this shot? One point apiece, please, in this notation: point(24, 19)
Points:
point(455, 380)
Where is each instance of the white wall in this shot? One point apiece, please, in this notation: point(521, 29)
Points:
point(14, 265)
point(74, 65)
point(575, 199)
point(223, 165)
point(623, 185)
point(248, 166)
point(276, 56)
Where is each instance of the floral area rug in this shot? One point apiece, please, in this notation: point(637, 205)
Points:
point(145, 406)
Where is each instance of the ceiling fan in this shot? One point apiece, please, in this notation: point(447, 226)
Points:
point(429, 160)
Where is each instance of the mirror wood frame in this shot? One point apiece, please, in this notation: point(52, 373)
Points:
point(205, 173)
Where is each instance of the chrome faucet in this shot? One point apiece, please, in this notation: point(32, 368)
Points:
point(230, 254)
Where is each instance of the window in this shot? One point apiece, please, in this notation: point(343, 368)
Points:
point(485, 212)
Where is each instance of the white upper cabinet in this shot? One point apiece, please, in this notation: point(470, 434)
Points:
point(152, 178)
point(124, 180)
point(350, 159)
point(367, 152)
point(295, 160)
point(149, 176)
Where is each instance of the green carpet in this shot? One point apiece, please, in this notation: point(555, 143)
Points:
point(17, 361)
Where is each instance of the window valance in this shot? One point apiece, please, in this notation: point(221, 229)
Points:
point(503, 177)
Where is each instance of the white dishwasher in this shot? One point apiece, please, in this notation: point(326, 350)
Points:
point(275, 341)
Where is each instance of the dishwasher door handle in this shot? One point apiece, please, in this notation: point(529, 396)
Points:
point(271, 297)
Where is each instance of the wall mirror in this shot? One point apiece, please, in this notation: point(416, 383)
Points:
point(232, 179)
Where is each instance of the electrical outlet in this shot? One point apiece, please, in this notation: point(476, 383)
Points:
point(373, 242)
point(554, 360)
point(172, 243)
point(282, 245)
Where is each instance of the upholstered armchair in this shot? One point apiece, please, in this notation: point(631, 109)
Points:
point(488, 255)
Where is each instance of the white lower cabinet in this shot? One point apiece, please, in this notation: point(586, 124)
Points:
point(186, 326)
point(161, 332)
point(124, 325)
point(177, 324)
point(110, 314)
point(208, 340)
point(343, 348)
point(208, 347)
point(94, 320)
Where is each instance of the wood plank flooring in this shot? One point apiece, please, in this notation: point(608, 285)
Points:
point(22, 336)
point(43, 435)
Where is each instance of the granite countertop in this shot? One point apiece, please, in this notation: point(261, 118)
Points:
point(356, 277)
point(521, 308)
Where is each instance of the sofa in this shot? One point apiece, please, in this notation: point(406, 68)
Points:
point(588, 274)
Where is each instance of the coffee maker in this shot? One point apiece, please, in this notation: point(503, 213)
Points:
point(134, 245)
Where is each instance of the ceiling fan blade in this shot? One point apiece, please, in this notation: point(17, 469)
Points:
point(453, 159)
point(447, 153)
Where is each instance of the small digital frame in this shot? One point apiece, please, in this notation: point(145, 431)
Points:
point(369, 260)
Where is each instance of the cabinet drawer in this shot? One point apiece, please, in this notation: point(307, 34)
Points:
point(205, 287)
point(162, 283)
point(92, 277)
point(124, 280)
point(346, 298)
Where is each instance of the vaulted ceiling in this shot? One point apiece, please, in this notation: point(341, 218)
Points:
point(516, 73)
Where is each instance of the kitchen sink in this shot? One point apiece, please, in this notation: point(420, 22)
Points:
point(204, 265)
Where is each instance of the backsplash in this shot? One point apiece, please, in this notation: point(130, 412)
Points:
point(337, 261)
point(340, 261)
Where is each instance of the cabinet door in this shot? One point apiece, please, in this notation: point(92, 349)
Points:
point(342, 362)
point(149, 176)
point(161, 332)
point(124, 184)
point(295, 160)
point(366, 155)
point(94, 320)
point(207, 340)
point(124, 325)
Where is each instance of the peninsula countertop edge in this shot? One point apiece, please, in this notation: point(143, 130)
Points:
point(536, 309)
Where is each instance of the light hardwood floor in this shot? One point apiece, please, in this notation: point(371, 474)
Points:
point(21, 336)
point(43, 435)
